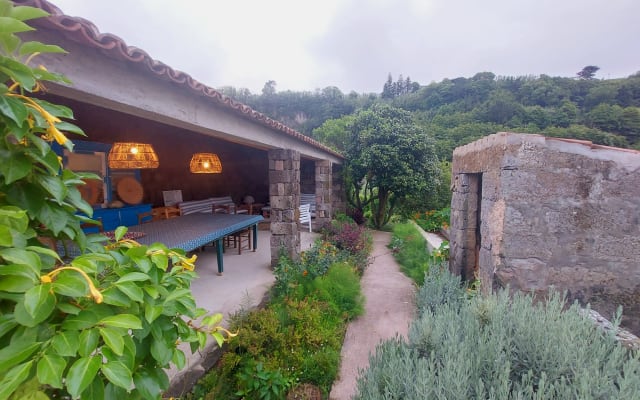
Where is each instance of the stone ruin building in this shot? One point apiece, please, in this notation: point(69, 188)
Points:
point(534, 212)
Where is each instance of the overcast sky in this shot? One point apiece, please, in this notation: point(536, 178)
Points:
point(355, 44)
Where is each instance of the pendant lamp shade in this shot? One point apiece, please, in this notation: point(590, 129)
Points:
point(129, 155)
point(205, 163)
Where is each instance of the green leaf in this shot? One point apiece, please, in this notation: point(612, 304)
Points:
point(50, 369)
point(28, 259)
point(118, 374)
point(95, 390)
point(12, 380)
point(10, 42)
point(70, 283)
point(15, 353)
point(152, 311)
point(69, 308)
point(54, 186)
point(127, 321)
point(15, 168)
point(24, 13)
point(162, 351)
point(113, 392)
point(115, 297)
point(12, 25)
point(132, 290)
point(149, 383)
point(176, 294)
point(85, 320)
point(66, 343)
point(133, 277)
point(15, 284)
point(17, 71)
point(38, 47)
point(14, 109)
point(81, 373)
point(19, 270)
point(179, 359)
point(161, 261)
point(7, 323)
point(39, 302)
point(88, 342)
point(119, 232)
point(114, 339)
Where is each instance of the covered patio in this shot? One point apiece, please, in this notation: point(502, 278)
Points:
point(121, 94)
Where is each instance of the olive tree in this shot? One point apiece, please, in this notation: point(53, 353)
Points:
point(388, 158)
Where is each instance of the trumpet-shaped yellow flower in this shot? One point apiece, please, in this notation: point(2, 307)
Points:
point(95, 293)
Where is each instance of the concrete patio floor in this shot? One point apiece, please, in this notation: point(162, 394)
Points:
point(246, 279)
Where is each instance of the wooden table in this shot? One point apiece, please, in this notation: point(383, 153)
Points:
point(190, 232)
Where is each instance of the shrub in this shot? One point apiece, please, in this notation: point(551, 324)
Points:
point(353, 239)
point(433, 220)
point(410, 250)
point(497, 347)
point(102, 325)
point(340, 288)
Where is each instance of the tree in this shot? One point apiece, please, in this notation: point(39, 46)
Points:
point(588, 72)
point(334, 132)
point(388, 158)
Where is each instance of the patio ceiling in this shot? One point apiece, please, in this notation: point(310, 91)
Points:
point(106, 72)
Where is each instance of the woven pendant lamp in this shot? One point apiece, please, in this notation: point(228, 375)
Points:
point(129, 155)
point(205, 163)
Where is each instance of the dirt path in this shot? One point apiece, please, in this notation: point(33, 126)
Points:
point(388, 311)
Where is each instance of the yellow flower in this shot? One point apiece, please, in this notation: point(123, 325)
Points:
point(95, 293)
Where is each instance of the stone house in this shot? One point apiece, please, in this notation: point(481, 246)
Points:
point(534, 213)
point(119, 93)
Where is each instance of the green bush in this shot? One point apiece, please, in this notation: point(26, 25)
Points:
point(340, 288)
point(497, 347)
point(410, 250)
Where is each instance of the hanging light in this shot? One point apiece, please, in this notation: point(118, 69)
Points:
point(205, 163)
point(128, 155)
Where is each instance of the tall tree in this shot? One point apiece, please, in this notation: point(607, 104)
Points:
point(588, 72)
point(388, 158)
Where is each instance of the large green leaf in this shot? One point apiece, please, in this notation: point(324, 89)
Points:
point(15, 168)
point(28, 259)
point(38, 47)
point(14, 109)
point(70, 283)
point(162, 350)
point(152, 311)
point(15, 284)
point(149, 385)
point(66, 343)
point(96, 391)
point(12, 25)
point(50, 368)
point(10, 42)
point(114, 339)
point(24, 13)
point(39, 302)
point(81, 373)
point(19, 270)
point(115, 297)
point(88, 341)
point(134, 277)
point(7, 323)
point(132, 290)
point(17, 71)
point(54, 186)
point(118, 374)
point(14, 378)
point(17, 352)
point(127, 321)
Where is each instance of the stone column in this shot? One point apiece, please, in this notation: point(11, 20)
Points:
point(324, 188)
point(464, 233)
point(284, 196)
point(339, 192)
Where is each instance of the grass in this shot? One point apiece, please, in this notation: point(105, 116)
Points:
point(410, 250)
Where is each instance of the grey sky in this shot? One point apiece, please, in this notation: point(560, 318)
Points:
point(355, 44)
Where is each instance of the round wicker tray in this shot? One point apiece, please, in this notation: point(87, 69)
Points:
point(90, 191)
point(129, 190)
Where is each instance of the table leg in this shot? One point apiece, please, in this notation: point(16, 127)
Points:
point(219, 246)
point(255, 236)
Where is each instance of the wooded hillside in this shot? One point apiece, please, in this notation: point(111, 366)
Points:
point(458, 111)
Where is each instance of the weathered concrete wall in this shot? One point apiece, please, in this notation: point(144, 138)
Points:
point(556, 213)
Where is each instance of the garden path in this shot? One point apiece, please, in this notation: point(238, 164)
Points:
point(389, 308)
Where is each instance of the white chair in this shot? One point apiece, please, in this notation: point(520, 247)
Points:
point(305, 214)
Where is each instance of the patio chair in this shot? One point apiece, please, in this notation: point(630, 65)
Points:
point(305, 214)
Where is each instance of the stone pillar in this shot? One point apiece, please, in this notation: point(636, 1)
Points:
point(324, 188)
point(284, 196)
point(464, 233)
point(339, 192)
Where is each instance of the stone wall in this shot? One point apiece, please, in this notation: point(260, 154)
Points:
point(554, 213)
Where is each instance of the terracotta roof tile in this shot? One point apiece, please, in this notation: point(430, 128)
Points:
point(86, 33)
